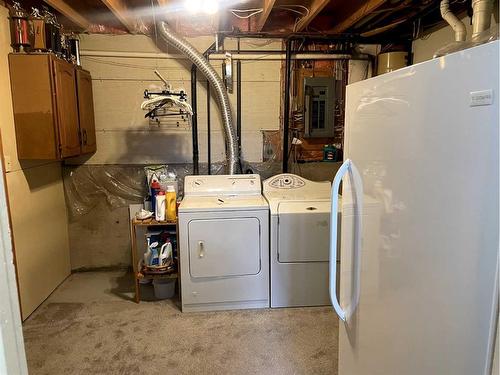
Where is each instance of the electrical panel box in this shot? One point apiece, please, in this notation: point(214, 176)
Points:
point(319, 106)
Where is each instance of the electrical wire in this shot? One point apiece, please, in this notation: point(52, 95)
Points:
point(254, 11)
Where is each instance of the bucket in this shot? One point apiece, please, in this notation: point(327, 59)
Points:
point(164, 288)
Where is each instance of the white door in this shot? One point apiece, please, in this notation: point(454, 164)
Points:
point(224, 247)
point(12, 354)
point(419, 292)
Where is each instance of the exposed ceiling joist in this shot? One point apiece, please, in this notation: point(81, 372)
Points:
point(121, 11)
point(314, 9)
point(357, 14)
point(267, 6)
point(65, 9)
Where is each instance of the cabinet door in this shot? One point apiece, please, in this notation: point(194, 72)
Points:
point(86, 111)
point(33, 104)
point(67, 108)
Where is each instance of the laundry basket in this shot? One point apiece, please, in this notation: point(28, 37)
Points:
point(164, 288)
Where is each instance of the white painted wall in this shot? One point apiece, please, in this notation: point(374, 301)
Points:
point(125, 137)
point(36, 199)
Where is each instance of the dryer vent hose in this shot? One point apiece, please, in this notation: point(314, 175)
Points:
point(232, 149)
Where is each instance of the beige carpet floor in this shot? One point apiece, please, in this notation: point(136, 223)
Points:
point(89, 325)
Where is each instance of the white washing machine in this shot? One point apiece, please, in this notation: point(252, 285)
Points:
point(223, 243)
point(299, 241)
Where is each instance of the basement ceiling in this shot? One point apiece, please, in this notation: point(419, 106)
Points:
point(389, 19)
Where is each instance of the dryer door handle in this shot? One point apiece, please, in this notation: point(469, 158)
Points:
point(201, 249)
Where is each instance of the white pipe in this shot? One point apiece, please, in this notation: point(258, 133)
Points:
point(215, 56)
point(481, 17)
point(457, 25)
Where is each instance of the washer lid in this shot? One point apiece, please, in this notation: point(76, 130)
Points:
point(223, 203)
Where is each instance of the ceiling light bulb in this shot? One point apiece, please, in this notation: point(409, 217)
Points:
point(193, 6)
point(211, 6)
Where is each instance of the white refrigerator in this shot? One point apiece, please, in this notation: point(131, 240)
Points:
point(418, 289)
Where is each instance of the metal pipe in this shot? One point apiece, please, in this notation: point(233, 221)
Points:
point(457, 25)
point(194, 120)
point(232, 155)
point(282, 56)
point(481, 17)
point(209, 145)
point(238, 104)
point(286, 105)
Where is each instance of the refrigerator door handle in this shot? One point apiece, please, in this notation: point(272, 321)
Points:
point(344, 168)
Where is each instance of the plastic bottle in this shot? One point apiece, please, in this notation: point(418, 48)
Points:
point(160, 206)
point(171, 204)
point(165, 253)
point(155, 189)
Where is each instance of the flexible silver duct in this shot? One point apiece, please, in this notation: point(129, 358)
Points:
point(481, 17)
point(457, 25)
point(232, 151)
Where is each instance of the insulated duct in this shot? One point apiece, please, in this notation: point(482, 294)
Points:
point(481, 17)
point(232, 154)
point(457, 25)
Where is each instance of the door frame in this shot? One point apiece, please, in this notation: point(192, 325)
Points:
point(12, 352)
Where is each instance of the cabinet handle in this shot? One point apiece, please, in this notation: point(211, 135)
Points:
point(84, 136)
point(201, 249)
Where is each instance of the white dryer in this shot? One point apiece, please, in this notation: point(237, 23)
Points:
point(223, 243)
point(299, 240)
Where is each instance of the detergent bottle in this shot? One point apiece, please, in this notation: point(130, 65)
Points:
point(171, 205)
point(165, 254)
point(160, 206)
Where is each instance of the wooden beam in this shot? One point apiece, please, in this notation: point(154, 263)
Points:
point(121, 11)
point(314, 9)
point(267, 6)
point(66, 10)
point(366, 8)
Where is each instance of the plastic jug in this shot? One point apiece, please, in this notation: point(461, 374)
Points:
point(171, 199)
point(165, 254)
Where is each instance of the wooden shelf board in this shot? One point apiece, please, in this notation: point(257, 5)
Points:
point(151, 222)
point(173, 275)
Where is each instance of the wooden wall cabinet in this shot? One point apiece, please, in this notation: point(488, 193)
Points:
point(53, 107)
point(86, 111)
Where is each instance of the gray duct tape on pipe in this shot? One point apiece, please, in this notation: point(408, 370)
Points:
point(232, 154)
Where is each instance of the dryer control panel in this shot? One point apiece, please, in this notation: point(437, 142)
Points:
point(217, 185)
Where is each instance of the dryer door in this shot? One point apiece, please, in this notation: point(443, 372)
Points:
point(303, 231)
point(224, 247)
